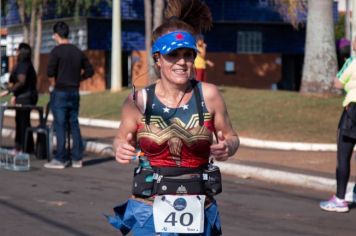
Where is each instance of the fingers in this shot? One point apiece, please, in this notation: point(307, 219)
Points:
point(221, 158)
point(220, 136)
point(125, 151)
point(220, 150)
point(129, 137)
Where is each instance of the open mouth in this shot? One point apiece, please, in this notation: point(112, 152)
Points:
point(180, 71)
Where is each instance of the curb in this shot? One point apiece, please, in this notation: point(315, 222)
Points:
point(281, 177)
point(262, 174)
point(237, 170)
point(258, 173)
point(247, 142)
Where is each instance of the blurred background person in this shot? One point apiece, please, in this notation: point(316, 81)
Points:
point(343, 51)
point(22, 85)
point(346, 135)
point(200, 61)
point(67, 67)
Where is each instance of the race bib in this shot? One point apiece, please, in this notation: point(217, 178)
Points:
point(179, 214)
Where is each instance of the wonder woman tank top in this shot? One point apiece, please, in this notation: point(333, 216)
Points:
point(176, 137)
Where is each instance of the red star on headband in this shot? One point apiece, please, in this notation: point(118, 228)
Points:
point(179, 36)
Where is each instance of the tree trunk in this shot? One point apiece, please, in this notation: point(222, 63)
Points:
point(22, 12)
point(37, 51)
point(320, 65)
point(353, 26)
point(148, 32)
point(158, 13)
point(347, 21)
point(32, 23)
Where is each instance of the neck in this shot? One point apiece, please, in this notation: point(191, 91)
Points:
point(63, 41)
point(171, 94)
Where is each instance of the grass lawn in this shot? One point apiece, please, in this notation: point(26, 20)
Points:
point(263, 114)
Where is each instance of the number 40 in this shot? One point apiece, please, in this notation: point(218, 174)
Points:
point(185, 219)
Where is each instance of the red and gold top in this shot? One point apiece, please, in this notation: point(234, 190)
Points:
point(174, 138)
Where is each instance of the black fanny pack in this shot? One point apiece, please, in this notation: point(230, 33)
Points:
point(177, 180)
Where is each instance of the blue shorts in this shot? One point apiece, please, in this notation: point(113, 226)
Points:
point(137, 217)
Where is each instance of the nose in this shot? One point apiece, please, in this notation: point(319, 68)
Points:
point(181, 60)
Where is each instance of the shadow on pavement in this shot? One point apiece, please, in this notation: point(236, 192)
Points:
point(97, 161)
point(42, 218)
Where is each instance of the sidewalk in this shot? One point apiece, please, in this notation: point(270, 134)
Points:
point(298, 164)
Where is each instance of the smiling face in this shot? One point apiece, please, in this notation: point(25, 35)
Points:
point(177, 66)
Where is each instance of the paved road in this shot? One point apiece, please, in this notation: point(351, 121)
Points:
point(74, 202)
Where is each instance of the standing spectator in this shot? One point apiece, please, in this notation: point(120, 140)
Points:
point(200, 61)
point(346, 79)
point(23, 80)
point(67, 67)
point(342, 51)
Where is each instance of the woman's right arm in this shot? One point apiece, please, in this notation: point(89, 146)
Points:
point(125, 140)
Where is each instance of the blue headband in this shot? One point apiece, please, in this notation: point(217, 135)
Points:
point(172, 41)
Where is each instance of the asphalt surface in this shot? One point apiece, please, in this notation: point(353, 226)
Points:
point(75, 202)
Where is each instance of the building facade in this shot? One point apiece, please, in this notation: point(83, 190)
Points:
point(251, 44)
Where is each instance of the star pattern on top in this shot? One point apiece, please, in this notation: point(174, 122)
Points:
point(166, 109)
point(185, 107)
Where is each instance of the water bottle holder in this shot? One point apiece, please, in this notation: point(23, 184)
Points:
point(142, 182)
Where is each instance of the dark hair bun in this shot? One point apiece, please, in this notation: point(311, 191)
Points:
point(193, 12)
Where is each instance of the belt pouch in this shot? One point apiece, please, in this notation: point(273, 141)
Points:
point(179, 185)
point(142, 185)
point(212, 184)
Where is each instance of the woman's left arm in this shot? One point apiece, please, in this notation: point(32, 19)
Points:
point(227, 139)
point(21, 80)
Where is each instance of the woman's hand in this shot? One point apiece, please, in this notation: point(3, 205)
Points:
point(13, 101)
point(210, 63)
point(223, 149)
point(125, 151)
point(4, 93)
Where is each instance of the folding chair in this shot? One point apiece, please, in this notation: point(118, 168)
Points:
point(47, 132)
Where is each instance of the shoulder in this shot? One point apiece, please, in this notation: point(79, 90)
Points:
point(56, 51)
point(349, 61)
point(212, 97)
point(210, 91)
point(22, 67)
point(137, 100)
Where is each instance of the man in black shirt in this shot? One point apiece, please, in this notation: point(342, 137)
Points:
point(67, 67)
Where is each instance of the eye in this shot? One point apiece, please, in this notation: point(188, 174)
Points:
point(173, 54)
point(189, 54)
